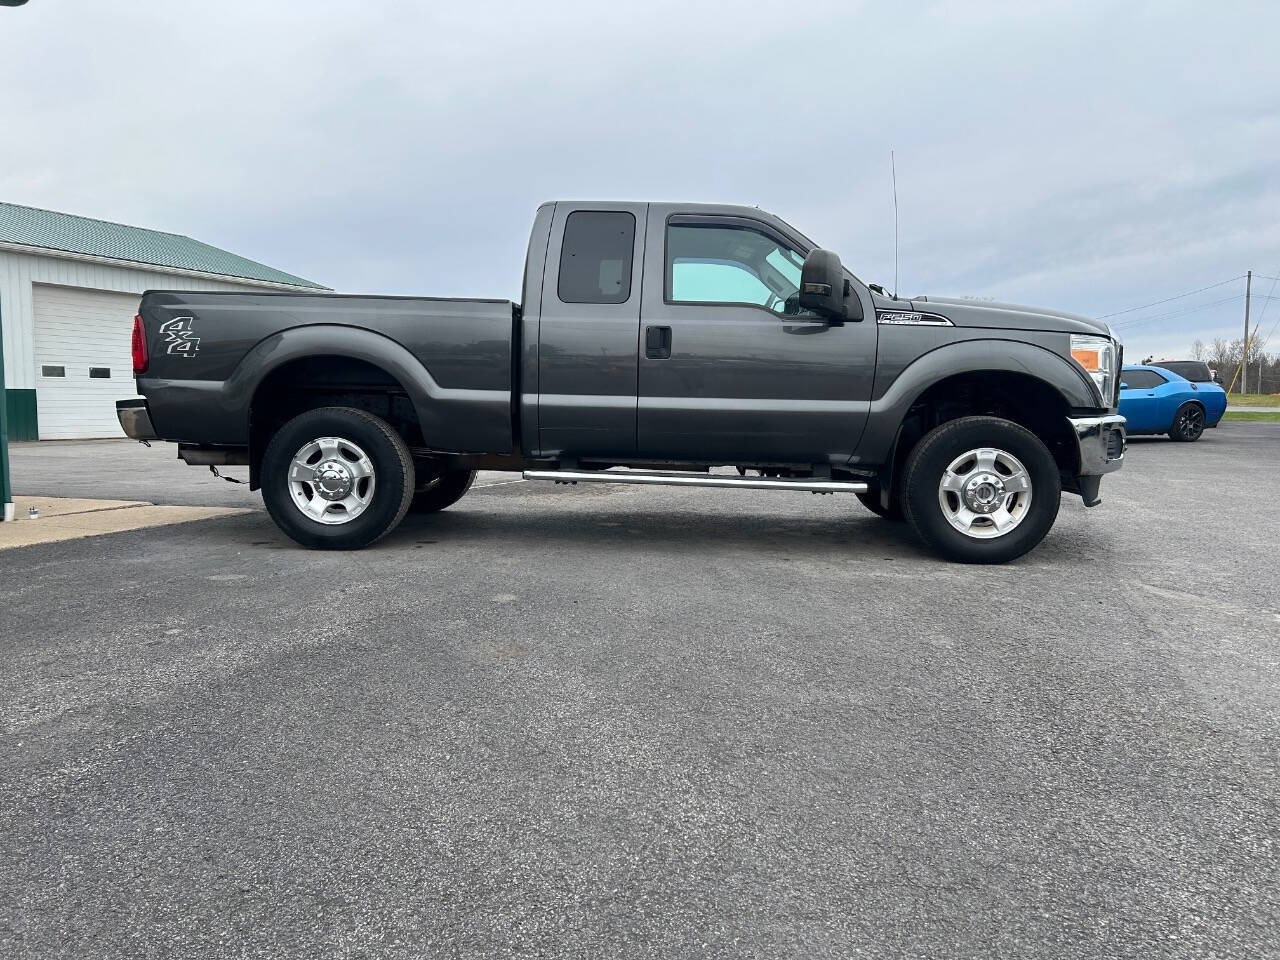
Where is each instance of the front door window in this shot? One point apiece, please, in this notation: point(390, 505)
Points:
point(731, 265)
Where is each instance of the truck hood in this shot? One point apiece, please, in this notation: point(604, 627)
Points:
point(1006, 316)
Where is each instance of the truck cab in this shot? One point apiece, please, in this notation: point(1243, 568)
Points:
point(675, 332)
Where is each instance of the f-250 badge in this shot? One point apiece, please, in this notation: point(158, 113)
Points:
point(179, 337)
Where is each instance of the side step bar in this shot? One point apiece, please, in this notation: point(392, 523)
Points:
point(677, 479)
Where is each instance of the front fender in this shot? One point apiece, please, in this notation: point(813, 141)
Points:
point(968, 356)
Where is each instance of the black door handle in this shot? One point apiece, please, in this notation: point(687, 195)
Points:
point(657, 343)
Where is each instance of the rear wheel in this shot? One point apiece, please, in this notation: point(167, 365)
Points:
point(337, 478)
point(1188, 423)
point(981, 490)
point(441, 490)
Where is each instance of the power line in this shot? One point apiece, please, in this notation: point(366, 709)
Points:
point(1178, 313)
point(1268, 337)
point(1266, 303)
point(1168, 299)
point(1142, 321)
point(1182, 313)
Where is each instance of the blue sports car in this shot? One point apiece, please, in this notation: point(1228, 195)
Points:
point(1156, 400)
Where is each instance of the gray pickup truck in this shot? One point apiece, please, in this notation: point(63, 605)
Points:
point(654, 343)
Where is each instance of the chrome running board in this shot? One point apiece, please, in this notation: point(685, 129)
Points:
point(680, 479)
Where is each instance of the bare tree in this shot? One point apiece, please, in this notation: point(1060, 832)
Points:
point(1224, 357)
point(1225, 353)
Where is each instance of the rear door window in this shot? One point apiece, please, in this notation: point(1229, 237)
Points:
point(595, 257)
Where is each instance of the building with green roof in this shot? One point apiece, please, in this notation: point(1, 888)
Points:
point(69, 287)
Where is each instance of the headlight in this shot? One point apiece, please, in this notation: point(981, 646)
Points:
point(1098, 357)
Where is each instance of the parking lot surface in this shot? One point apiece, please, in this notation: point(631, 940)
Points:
point(621, 721)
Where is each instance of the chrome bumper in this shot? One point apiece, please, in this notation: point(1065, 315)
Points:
point(1101, 441)
point(135, 419)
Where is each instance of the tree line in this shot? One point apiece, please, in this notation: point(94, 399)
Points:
point(1224, 356)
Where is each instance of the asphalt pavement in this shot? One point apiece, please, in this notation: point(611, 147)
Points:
point(605, 721)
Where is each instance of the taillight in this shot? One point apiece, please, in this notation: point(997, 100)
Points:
point(140, 357)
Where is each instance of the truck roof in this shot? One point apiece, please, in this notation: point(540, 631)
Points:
point(734, 208)
point(719, 209)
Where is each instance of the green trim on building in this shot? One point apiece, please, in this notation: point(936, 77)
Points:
point(6, 485)
point(33, 227)
point(20, 411)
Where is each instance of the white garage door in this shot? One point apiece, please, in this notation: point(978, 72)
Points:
point(84, 361)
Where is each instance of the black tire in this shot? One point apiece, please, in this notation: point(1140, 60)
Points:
point(871, 501)
point(936, 452)
point(442, 490)
point(390, 492)
point(1188, 423)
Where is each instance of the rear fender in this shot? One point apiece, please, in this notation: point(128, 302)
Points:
point(452, 419)
point(1173, 403)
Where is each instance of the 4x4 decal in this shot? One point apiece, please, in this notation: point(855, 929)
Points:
point(179, 336)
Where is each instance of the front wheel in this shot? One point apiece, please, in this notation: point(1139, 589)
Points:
point(981, 490)
point(337, 478)
point(1188, 423)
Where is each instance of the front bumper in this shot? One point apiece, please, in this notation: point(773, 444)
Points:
point(135, 419)
point(1101, 442)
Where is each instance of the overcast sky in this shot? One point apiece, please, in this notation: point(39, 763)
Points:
point(1086, 156)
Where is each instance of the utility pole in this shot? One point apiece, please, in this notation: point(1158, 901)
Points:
point(1244, 344)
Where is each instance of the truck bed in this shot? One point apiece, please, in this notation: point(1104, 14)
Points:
point(207, 351)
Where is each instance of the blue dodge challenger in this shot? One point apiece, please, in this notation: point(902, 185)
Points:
point(1156, 400)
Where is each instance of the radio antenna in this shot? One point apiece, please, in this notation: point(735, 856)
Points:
point(893, 171)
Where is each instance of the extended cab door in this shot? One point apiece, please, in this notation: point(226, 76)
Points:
point(725, 374)
point(588, 329)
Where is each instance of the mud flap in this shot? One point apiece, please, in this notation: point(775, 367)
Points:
point(1089, 487)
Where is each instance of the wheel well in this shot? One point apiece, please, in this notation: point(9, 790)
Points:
point(1021, 398)
point(327, 381)
point(1189, 402)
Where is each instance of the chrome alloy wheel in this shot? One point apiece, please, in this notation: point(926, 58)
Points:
point(985, 493)
point(331, 480)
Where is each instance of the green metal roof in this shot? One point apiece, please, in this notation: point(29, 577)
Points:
point(63, 231)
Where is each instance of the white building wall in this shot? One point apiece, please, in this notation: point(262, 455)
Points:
point(18, 271)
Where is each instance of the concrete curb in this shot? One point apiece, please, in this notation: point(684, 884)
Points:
point(64, 518)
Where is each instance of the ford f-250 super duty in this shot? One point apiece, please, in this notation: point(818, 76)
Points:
point(653, 342)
